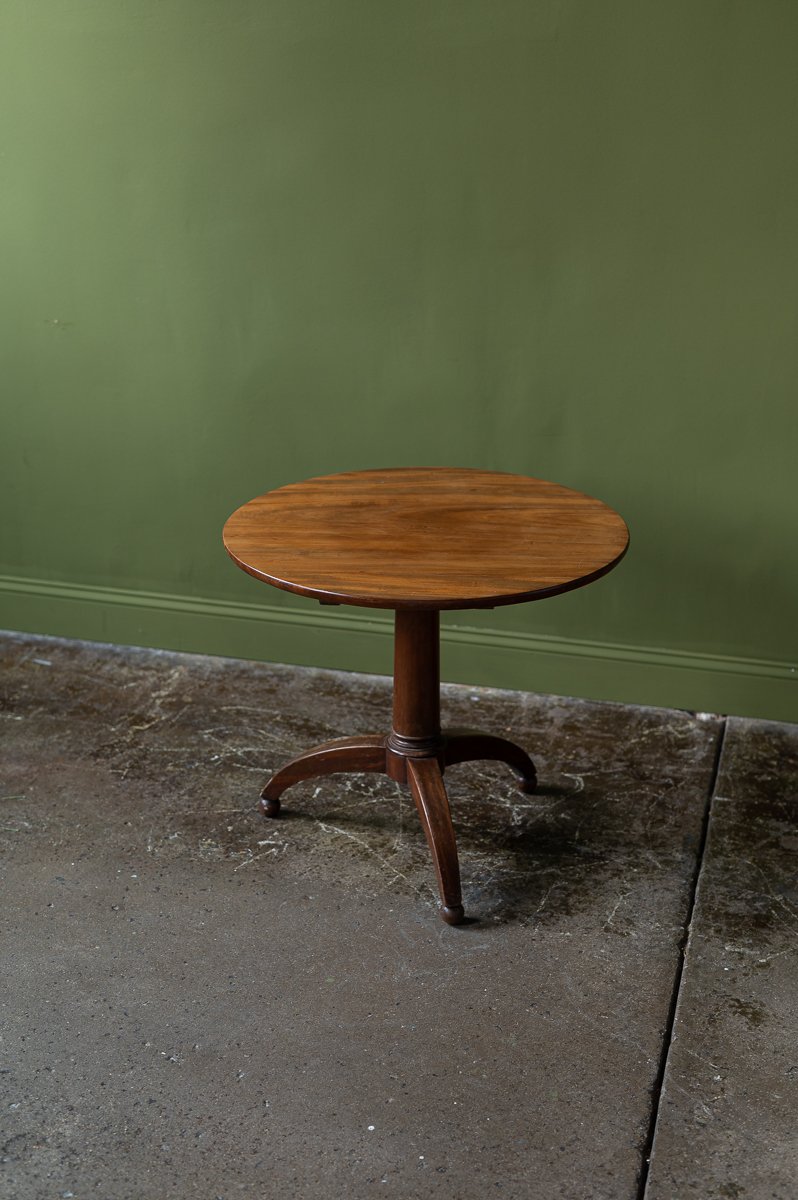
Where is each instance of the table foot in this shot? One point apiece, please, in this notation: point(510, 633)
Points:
point(426, 784)
point(467, 745)
point(366, 753)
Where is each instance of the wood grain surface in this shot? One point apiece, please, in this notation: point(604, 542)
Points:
point(441, 538)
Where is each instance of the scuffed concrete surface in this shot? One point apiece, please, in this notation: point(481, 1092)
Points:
point(727, 1125)
point(199, 1002)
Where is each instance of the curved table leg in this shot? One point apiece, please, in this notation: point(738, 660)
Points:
point(465, 745)
point(426, 784)
point(365, 753)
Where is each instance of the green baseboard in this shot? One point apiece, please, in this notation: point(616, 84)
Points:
point(356, 640)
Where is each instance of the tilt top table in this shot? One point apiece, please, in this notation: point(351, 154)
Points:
point(418, 541)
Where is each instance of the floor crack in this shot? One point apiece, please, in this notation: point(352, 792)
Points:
point(684, 945)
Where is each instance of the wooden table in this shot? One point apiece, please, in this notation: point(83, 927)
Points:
point(418, 541)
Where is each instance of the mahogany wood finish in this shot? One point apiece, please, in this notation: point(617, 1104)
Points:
point(435, 538)
point(365, 753)
point(425, 777)
point(418, 541)
point(467, 745)
point(416, 731)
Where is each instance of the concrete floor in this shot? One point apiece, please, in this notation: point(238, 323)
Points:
point(200, 1003)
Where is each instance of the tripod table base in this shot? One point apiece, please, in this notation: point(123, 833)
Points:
point(422, 768)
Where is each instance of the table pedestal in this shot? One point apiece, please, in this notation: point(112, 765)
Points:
point(415, 752)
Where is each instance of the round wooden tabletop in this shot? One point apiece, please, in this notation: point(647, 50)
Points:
point(432, 538)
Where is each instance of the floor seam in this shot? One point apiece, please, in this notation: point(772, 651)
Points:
point(684, 946)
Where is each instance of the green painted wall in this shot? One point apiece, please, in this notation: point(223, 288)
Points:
point(248, 241)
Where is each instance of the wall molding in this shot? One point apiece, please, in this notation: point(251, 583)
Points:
point(361, 639)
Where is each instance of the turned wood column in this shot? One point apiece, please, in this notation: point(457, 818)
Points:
point(416, 731)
